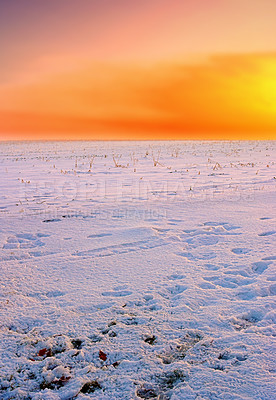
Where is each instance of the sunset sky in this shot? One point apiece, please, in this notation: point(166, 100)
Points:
point(137, 69)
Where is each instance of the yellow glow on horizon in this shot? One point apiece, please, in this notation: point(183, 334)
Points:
point(223, 94)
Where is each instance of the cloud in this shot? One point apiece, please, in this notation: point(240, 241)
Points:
point(223, 95)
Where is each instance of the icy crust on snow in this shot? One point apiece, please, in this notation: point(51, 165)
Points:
point(137, 270)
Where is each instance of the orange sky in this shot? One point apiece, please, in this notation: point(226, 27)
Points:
point(159, 69)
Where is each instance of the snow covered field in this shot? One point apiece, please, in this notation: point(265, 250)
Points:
point(137, 270)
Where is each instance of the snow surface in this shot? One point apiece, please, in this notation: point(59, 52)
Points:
point(137, 270)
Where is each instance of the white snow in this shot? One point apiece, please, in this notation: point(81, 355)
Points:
point(137, 270)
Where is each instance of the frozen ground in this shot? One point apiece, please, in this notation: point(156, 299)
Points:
point(137, 270)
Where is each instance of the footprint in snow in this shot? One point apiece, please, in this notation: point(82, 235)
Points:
point(198, 255)
point(212, 267)
point(260, 266)
point(150, 303)
point(176, 276)
point(99, 235)
point(55, 293)
point(240, 250)
point(202, 240)
point(24, 241)
point(206, 285)
point(266, 291)
point(177, 289)
point(120, 293)
point(52, 220)
point(222, 282)
point(246, 320)
point(248, 293)
point(270, 258)
point(174, 221)
point(268, 233)
point(225, 225)
point(177, 349)
point(272, 289)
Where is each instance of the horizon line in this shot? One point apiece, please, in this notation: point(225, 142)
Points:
point(136, 140)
